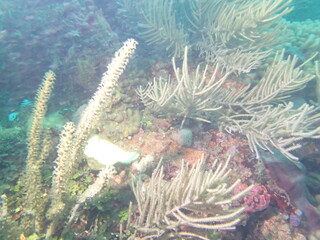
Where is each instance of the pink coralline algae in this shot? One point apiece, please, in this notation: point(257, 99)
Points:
point(274, 227)
point(257, 200)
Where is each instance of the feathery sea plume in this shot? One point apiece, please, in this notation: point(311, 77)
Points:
point(73, 137)
point(196, 199)
point(188, 96)
point(38, 150)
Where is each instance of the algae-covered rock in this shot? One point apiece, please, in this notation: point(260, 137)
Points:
point(10, 138)
point(121, 123)
point(54, 120)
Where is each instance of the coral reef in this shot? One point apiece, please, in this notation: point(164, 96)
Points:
point(253, 111)
point(275, 227)
point(194, 199)
point(120, 122)
point(71, 141)
point(257, 200)
point(304, 38)
point(231, 33)
point(53, 35)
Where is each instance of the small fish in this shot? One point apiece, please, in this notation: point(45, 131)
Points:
point(25, 103)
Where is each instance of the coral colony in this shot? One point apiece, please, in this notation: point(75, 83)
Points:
point(212, 145)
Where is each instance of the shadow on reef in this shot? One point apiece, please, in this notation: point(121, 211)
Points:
point(291, 178)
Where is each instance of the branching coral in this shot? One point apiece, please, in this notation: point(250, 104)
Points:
point(246, 20)
point(258, 112)
point(280, 80)
point(225, 31)
point(38, 150)
point(240, 30)
point(72, 139)
point(189, 96)
point(282, 127)
point(161, 26)
point(195, 199)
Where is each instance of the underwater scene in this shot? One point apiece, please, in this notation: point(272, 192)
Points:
point(160, 119)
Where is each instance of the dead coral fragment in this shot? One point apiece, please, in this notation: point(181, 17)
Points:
point(195, 199)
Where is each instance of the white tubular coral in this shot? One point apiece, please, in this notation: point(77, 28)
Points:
point(36, 130)
point(73, 137)
point(108, 82)
point(62, 167)
point(37, 151)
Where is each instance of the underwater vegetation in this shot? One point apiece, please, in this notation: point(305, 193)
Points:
point(212, 145)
